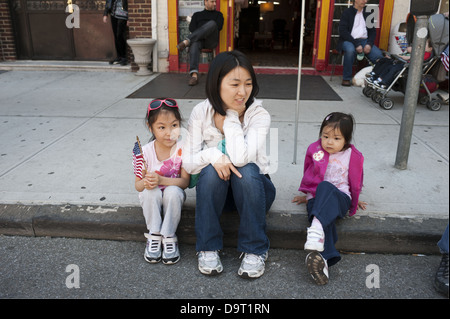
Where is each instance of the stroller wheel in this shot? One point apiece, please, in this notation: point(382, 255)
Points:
point(423, 99)
point(376, 97)
point(386, 103)
point(369, 91)
point(434, 105)
point(364, 91)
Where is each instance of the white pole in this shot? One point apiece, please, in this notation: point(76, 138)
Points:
point(155, 35)
point(302, 26)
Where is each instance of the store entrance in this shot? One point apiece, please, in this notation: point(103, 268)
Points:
point(269, 32)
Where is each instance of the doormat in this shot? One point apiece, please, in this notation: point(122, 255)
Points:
point(271, 86)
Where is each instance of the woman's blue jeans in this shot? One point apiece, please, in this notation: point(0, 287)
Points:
point(252, 195)
point(349, 50)
point(328, 205)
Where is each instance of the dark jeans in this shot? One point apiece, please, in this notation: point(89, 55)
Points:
point(205, 37)
point(252, 195)
point(119, 27)
point(328, 205)
point(349, 51)
point(443, 243)
point(387, 69)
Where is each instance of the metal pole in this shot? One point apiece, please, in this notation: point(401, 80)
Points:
point(302, 22)
point(412, 92)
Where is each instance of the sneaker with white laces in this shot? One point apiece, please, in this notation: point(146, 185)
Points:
point(152, 252)
point(171, 254)
point(252, 266)
point(315, 239)
point(209, 262)
point(317, 267)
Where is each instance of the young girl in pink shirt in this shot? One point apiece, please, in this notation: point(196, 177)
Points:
point(332, 181)
point(161, 184)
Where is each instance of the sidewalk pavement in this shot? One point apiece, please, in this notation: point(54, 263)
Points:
point(65, 163)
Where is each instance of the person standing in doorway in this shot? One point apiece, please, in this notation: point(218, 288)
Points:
point(118, 9)
point(204, 27)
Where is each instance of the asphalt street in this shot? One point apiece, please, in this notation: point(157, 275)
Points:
point(53, 268)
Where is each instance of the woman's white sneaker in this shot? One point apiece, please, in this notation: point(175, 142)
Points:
point(209, 263)
point(252, 266)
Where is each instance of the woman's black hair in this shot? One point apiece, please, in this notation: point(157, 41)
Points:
point(150, 117)
point(344, 122)
point(222, 64)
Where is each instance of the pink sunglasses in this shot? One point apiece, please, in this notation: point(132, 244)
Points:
point(156, 104)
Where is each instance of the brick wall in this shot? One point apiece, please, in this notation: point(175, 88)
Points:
point(139, 22)
point(7, 44)
point(140, 26)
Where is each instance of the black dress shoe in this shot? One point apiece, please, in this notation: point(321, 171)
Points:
point(116, 60)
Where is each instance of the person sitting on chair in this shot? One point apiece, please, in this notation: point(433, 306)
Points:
point(356, 36)
point(204, 27)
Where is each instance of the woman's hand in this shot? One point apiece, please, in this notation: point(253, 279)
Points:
point(224, 168)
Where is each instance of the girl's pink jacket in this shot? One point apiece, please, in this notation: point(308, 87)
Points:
point(316, 162)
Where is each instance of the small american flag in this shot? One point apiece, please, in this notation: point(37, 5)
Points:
point(444, 58)
point(138, 160)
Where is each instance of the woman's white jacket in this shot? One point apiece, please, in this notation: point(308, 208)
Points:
point(244, 142)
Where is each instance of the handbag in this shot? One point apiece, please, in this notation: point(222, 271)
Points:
point(119, 12)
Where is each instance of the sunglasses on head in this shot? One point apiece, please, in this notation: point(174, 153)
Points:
point(156, 104)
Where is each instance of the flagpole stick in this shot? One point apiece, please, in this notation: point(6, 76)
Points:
point(143, 159)
point(140, 149)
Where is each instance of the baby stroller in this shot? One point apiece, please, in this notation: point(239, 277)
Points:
point(438, 32)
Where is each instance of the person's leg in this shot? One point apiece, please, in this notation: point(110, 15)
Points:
point(114, 29)
point(207, 36)
point(121, 44)
point(328, 205)
point(208, 33)
point(253, 195)
point(441, 277)
point(349, 52)
point(443, 242)
point(151, 201)
point(391, 73)
point(375, 54)
point(211, 193)
point(211, 196)
point(194, 56)
point(172, 202)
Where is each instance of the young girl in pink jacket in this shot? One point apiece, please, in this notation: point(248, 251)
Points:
point(332, 181)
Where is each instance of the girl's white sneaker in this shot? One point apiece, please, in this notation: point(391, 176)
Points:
point(171, 254)
point(317, 267)
point(152, 252)
point(315, 239)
